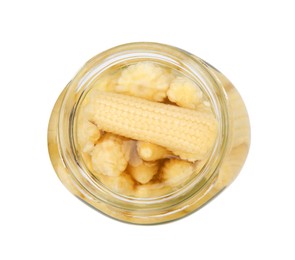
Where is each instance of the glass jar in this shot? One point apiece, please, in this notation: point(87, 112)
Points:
point(223, 165)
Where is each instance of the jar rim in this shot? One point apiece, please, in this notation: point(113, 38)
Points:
point(77, 89)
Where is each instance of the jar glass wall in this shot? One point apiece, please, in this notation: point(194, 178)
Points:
point(132, 198)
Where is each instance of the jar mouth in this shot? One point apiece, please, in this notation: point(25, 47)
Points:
point(126, 54)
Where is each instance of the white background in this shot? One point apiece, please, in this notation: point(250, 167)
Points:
point(44, 43)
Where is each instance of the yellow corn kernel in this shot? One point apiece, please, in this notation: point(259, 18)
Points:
point(108, 156)
point(175, 128)
point(144, 172)
point(175, 172)
point(151, 152)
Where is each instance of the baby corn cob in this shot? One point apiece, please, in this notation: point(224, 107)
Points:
point(144, 172)
point(151, 152)
point(175, 128)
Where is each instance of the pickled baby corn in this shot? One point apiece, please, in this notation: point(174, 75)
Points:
point(175, 128)
point(144, 172)
point(151, 152)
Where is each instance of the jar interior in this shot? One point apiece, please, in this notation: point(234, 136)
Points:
point(117, 77)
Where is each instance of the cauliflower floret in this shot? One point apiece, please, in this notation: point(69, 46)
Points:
point(122, 184)
point(107, 82)
point(88, 134)
point(144, 172)
point(175, 172)
point(146, 80)
point(108, 156)
point(151, 152)
point(185, 93)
